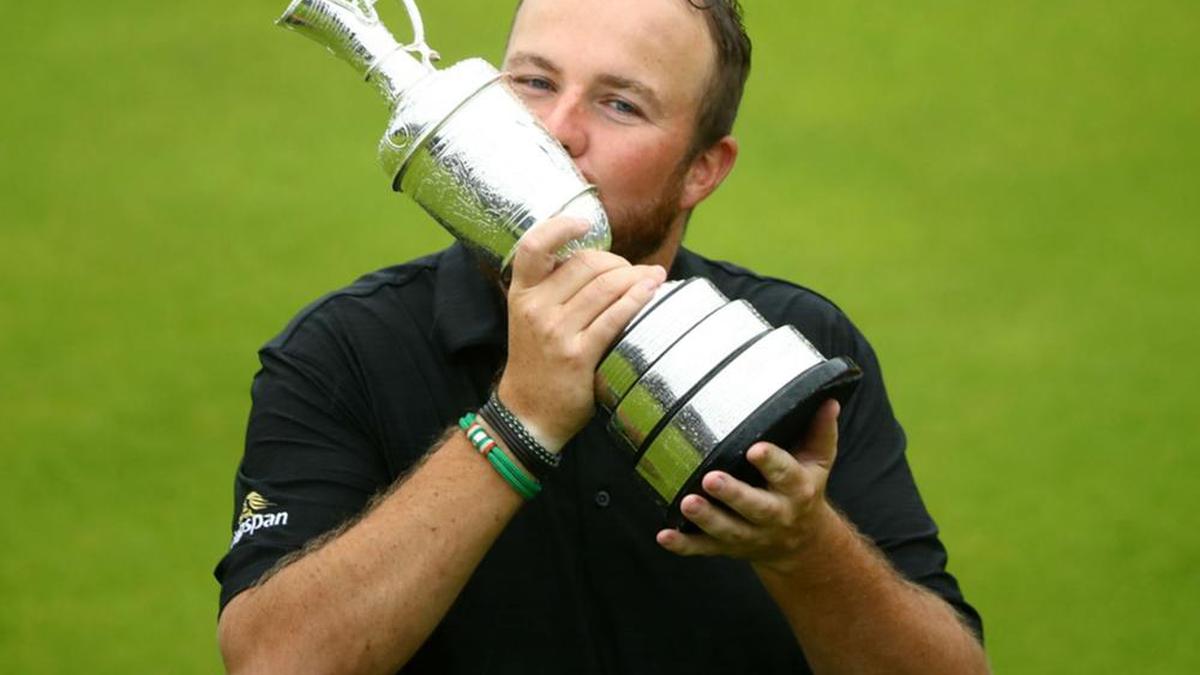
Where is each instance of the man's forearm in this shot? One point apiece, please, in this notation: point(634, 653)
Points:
point(365, 601)
point(854, 614)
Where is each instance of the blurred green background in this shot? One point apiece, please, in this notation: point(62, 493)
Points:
point(1004, 197)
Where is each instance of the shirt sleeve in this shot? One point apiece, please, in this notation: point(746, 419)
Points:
point(310, 461)
point(872, 484)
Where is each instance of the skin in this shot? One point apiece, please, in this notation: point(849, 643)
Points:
point(618, 84)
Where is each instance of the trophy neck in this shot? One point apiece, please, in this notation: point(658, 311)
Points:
point(359, 38)
point(396, 73)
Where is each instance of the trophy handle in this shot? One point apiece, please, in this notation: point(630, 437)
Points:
point(352, 31)
point(418, 46)
point(366, 10)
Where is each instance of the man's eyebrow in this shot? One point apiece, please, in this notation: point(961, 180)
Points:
point(528, 58)
point(627, 84)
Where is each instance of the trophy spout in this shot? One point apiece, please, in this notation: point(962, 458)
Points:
point(352, 31)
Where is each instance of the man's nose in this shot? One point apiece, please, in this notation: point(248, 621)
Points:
point(565, 119)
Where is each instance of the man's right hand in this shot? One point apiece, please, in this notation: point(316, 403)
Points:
point(561, 319)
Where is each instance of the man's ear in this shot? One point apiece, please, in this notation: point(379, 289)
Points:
point(707, 171)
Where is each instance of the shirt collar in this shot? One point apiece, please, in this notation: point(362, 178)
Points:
point(468, 307)
point(684, 266)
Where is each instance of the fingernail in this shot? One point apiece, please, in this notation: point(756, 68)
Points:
point(718, 481)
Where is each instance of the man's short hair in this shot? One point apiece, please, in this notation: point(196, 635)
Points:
point(719, 105)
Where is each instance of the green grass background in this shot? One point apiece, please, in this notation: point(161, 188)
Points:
point(1002, 195)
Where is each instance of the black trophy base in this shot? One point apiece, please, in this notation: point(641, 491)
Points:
point(783, 420)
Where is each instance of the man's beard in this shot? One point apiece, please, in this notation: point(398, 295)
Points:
point(640, 230)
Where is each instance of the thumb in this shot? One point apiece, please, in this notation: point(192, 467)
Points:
point(820, 445)
point(536, 255)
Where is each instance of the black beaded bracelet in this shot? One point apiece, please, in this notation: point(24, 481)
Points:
point(517, 439)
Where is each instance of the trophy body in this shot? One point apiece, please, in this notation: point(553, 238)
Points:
point(695, 379)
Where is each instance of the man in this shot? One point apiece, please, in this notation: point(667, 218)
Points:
point(448, 569)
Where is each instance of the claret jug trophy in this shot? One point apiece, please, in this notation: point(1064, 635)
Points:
point(695, 379)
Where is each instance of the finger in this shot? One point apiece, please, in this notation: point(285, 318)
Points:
point(535, 258)
point(582, 269)
point(781, 470)
point(605, 290)
point(754, 505)
point(820, 446)
point(687, 544)
point(716, 522)
point(604, 327)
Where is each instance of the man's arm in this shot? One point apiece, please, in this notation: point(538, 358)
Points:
point(846, 605)
point(365, 600)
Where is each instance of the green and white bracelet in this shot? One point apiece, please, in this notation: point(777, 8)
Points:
point(527, 486)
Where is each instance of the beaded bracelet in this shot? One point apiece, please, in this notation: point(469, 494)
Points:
point(540, 461)
point(525, 485)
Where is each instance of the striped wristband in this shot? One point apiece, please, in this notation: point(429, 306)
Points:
point(524, 484)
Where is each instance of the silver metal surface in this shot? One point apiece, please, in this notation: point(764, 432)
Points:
point(713, 412)
point(683, 366)
point(469, 152)
point(459, 142)
point(650, 337)
point(351, 30)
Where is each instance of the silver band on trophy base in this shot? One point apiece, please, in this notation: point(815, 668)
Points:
point(695, 379)
point(673, 376)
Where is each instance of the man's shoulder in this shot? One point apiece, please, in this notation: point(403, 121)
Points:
point(780, 301)
point(407, 285)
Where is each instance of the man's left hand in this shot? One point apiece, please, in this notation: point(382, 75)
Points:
point(771, 526)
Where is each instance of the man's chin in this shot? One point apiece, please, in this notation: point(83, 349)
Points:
point(637, 249)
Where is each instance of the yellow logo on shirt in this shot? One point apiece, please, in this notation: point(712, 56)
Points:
point(251, 521)
point(253, 502)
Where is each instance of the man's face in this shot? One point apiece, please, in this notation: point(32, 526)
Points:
point(619, 83)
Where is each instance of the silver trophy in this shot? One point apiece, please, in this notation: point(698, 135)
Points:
point(695, 379)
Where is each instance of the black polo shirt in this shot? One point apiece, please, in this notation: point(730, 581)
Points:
point(362, 382)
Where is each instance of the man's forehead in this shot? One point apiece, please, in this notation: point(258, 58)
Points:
point(653, 41)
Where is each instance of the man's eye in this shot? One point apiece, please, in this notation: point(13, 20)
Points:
point(623, 107)
point(535, 83)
